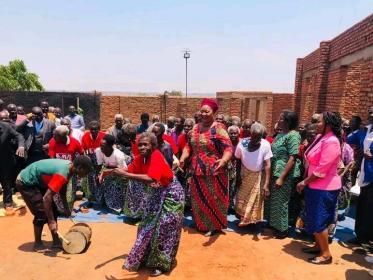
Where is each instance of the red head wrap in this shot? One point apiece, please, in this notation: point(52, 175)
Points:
point(211, 103)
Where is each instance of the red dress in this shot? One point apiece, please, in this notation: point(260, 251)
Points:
point(155, 167)
point(209, 188)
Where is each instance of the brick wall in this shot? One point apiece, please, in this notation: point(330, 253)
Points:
point(280, 103)
point(337, 76)
point(254, 105)
point(134, 106)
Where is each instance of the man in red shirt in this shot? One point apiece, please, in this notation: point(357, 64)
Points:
point(63, 146)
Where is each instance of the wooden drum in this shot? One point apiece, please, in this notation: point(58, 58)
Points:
point(79, 237)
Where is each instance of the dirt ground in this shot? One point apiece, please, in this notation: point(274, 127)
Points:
point(229, 256)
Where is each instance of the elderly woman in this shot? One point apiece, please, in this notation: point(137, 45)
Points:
point(134, 196)
point(235, 166)
point(285, 171)
point(323, 157)
point(183, 137)
point(255, 155)
point(127, 140)
point(112, 188)
point(210, 150)
point(246, 126)
point(159, 232)
point(163, 146)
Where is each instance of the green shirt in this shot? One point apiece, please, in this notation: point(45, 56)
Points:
point(284, 146)
point(54, 173)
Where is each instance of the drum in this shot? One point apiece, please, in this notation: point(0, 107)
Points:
point(79, 237)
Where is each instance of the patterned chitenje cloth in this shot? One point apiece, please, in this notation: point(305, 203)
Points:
point(159, 231)
point(283, 147)
point(233, 174)
point(250, 199)
point(279, 204)
point(134, 199)
point(209, 201)
point(89, 183)
point(111, 192)
point(209, 188)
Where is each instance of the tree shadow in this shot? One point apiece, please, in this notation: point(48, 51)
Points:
point(124, 256)
point(354, 274)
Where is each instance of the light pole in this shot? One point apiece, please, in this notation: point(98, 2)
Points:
point(186, 56)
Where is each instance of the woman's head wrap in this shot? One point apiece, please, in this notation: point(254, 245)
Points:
point(211, 103)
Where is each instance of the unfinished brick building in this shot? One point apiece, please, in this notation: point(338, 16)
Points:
point(252, 105)
point(338, 76)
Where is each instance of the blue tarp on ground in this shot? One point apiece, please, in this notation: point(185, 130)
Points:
point(345, 228)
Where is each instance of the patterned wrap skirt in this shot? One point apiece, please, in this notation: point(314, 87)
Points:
point(209, 201)
point(320, 209)
point(159, 231)
point(134, 199)
point(250, 199)
point(279, 204)
point(89, 183)
point(111, 192)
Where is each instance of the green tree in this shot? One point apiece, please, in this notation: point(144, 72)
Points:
point(15, 77)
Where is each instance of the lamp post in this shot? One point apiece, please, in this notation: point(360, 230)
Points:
point(186, 56)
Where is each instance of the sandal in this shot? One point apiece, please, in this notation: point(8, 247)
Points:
point(318, 260)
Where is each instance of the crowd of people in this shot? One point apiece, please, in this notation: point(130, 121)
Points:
point(210, 164)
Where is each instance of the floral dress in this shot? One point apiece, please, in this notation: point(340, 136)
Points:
point(284, 146)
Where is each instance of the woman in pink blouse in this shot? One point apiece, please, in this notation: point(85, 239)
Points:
point(323, 184)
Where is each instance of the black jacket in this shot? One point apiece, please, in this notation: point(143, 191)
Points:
point(7, 134)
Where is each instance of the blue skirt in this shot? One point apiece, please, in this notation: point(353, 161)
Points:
point(320, 209)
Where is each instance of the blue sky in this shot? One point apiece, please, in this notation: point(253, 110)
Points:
point(137, 45)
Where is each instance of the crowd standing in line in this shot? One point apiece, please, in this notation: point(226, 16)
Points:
point(210, 164)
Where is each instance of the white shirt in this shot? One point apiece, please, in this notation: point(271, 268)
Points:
point(253, 161)
point(116, 159)
point(367, 142)
point(77, 134)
